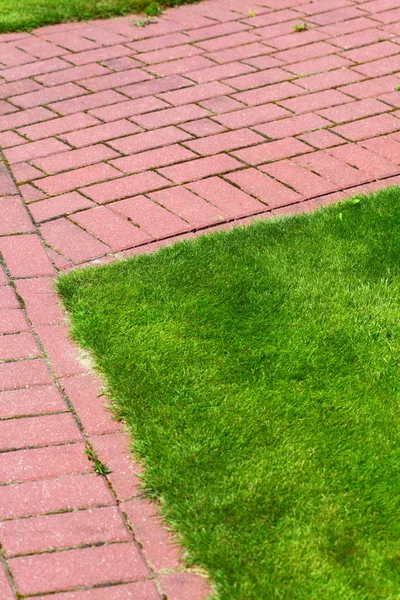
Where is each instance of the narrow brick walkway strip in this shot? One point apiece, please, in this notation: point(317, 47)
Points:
point(116, 140)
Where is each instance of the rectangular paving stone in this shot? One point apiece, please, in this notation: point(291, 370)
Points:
point(354, 110)
point(272, 151)
point(59, 206)
point(303, 181)
point(190, 207)
point(58, 126)
point(111, 228)
point(155, 86)
point(7, 185)
point(48, 95)
point(328, 80)
point(41, 301)
point(51, 495)
point(374, 165)
point(148, 215)
point(34, 150)
point(182, 66)
point(315, 101)
point(60, 570)
point(147, 140)
point(34, 401)
point(227, 197)
point(101, 133)
point(66, 182)
point(264, 188)
point(13, 321)
point(64, 530)
point(200, 167)
point(292, 126)
point(269, 93)
point(331, 168)
point(62, 352)
point(196, 93)
point(26, 256)
point(130, 108)
point(384, 146)
point(16, 346)
point(139, 590)
point(252, 116)
point(6, 590)
point(44, 430)
point(72, 74)
point(115, 80)
point(85, 393)
point(37, 67)
point(371, 87)
point(224, 142)
point(255, 80)
point(42, 463)
point(171, 116)
point(15, 375)
point(74, 159)
point(125, 186)
point(74, 243)
point(369, 127)
point(89, 101)
point(8, 298)
point(160, 157)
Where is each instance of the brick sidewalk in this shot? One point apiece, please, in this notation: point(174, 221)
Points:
point(117, 139)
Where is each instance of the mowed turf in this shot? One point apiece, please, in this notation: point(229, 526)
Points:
point(24, 15)
point(258, 371)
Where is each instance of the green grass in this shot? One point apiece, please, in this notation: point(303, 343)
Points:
point(258, 371)
point(24, 15)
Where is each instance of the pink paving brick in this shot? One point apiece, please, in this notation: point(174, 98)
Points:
point(158, 544)
point(16, 375)
point(292, 126)
point(58, 206)
point(111, 228)
point(170, 116)
point(37, 67)
point(155, 86)
point(24, 172)
point(354, 110)
point(371, 87)
point(115, 80)
point(7, 186)
point(30, 193)
point(48, 95)
point(10, 138)
point(226, 197)
point(72, 74)
point(225, 142)
point(264, 188)
point(51, 495)
point(73, 242)
point(60, 571)
point(130, 108)
point(255, 80)
point(89, 101)
point(189, 207)
point(316, 101)
point(321, 139)
point(101, 133)
point(125, 186)
point(221, 104)
point(132, 144)
point(271, 151)
point(303, 181)
point(114, 450)
point(14, 217)
point(332, 169)
point(8, 298)
point(19, 345)
point(26, 256)
point(139, 590)
point(40, 300)
point(387, 147)
point(39, 431)
point(196, 93)
point(202, 127)
point(65, 530)
point(6, 590)
point(269, 93)
point(151, 217)
point(34, 150)
point(369, 127)
point(66, 182)
point(361, 158)
point(89, 402)
point(252, 116)
point(34, 401)
point(201, 167)
point(60, 349)
point(183, 66)
point(58, 126)
point(18, 87)
point(329, 80)
point(179, 586)
point(75, 159)
point(13, 321)
point(42, 463)
point(168, 155)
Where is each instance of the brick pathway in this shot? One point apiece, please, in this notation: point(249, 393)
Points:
point(117, 139)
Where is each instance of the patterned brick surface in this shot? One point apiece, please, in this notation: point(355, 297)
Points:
point(116, 140)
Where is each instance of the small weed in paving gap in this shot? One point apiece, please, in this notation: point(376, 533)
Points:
point(300, 27)
point(258, 372)
point(397, 88)
point(144, 22)
point(99, 467)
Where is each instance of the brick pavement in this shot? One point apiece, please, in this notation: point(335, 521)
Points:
point(117, 139)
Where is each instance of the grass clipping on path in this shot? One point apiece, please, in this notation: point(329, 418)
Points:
point(22, 15)
point(258, 371)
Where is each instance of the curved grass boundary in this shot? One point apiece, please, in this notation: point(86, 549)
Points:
point(26, 15)
point(258, 371)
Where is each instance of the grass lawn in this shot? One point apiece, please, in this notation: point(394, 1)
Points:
point(258, 371)
point(23, 15)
